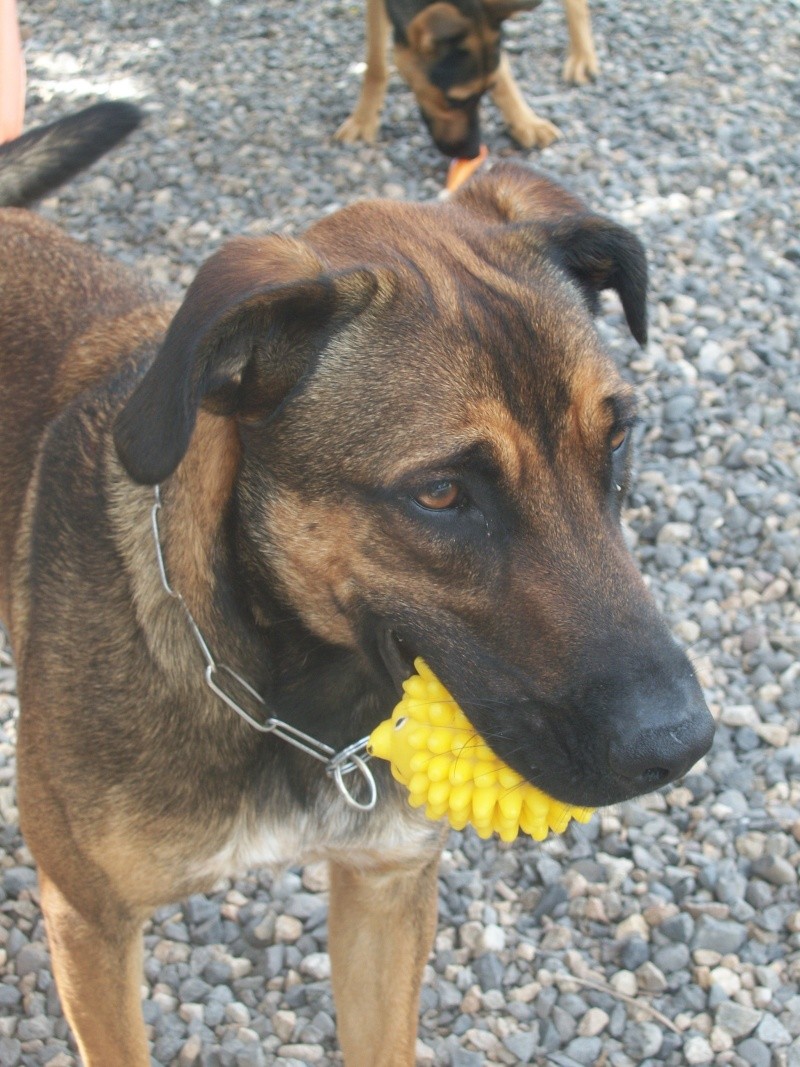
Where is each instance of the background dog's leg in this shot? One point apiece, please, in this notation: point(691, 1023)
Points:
point(98, 972)
point(581, 63)
point(363, 123)
point(381, 928)
point(524, 125)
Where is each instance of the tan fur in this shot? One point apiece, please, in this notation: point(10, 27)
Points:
point(92, 355)
point(363, 925)
point(581, 64)
point(315, 545)
point(191, 519)
point(524, 125)
point(590, 385)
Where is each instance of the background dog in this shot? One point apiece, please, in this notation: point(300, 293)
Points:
point(397, 436)
point(450, 54)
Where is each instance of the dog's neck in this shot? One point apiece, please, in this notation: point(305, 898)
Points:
point(326, 689)
point(323, 689)
point(199, 494)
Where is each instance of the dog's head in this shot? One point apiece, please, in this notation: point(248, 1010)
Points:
point(435, 450)
point(448, 55)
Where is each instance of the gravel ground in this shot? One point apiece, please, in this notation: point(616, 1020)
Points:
point(667, 931)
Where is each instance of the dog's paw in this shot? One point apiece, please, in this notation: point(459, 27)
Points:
point(357, 128)
point(581, 67)
point(534, 132)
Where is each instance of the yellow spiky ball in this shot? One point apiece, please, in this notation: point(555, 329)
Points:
point(435, 752)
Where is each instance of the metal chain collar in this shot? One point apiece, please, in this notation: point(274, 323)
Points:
point(217, 676)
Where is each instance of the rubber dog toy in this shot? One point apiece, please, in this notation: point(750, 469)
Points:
point(446, 766)
point(461, 169)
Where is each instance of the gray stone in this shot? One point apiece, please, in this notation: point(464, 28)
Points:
point(10, 1052)
point(634, 951)
point(650, 979)
point(324, 1024)
point(642, 1040)
point(670, 958)
point(759, 894)
point(18, 879)
point(772, 1031)
point(736, 1019)
point(10, 997)
point(678, 928)
point(564, 1023)
point(199, 909)
point(36, 1027)
point(776, 870)
point(584, 1050)
point(489, 971)
point(549, 871)
point(522, 1044)
point(253, 1056)
point(464, 1058)
point(754, 1052)
point(720, 935)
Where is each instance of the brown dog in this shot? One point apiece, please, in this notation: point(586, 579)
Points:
point(449, 53)
point(397, 436)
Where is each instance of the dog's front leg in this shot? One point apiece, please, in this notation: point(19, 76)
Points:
point(362, 125)
point(381, 928)
point(581, 63)
point(524, 125)
point(98, 971)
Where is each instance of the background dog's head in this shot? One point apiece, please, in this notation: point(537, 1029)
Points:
point(435, 448)
point(448, 54)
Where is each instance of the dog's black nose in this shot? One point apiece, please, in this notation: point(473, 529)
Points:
point(460, 139)
point(465, 148)
point(652, 720)
point(652, 757)
point(666, 730)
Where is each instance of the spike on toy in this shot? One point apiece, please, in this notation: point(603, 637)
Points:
point(450, 770)
point(461, 169)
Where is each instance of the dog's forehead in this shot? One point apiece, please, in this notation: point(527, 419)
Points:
point(470, 337)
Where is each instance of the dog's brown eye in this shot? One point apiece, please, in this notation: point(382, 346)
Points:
point(618, 440)
point(438, 496)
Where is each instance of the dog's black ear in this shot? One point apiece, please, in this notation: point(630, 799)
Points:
point(243, 338)
point(596, 252)
point(499, 10)
point(601, 254)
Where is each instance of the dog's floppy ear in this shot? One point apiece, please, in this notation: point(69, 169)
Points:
point(597, 252)
point(436, 25)
point(243, 337)
point(601, 254)
point(499, 10)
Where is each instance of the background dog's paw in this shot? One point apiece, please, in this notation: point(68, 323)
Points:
point(581, 67)
point(534, 132)
point(356, 128)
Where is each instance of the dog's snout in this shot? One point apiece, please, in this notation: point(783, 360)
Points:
point(653, 756)
point(637, 724)
point(465, 148)
point(459, 137)
point(665, 727)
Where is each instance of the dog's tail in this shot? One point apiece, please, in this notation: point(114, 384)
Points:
point(39, 161)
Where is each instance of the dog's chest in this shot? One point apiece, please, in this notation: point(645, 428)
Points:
point(329, 830)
